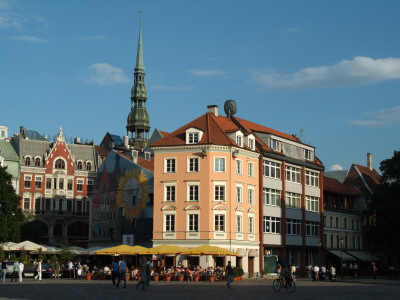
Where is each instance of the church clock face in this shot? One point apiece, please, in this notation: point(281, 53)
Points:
point(133, 193)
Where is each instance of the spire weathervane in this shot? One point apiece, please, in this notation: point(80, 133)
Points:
point(140, 12)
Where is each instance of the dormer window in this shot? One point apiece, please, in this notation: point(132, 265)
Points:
point(37, 162)
point(27, 161)
point(79, 165)
point(239, 140)
point(89, 166)
point(193, 135)
point(308, 154)
point(59, 164)
point(275, 145)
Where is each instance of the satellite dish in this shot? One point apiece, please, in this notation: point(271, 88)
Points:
point(230, 107)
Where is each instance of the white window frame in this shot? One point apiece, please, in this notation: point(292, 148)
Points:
point(220, 185)
point(166, 221)
point(218, 216)
point(251, 221)
point(239, 223)
point(293, 227)
point(191, 167)
point(167, 193)
point(312, 203)
point(293, 200)
point(275, 225)
point(293, 174)
point(272, 169)
point(312, 179)
point(194, 185)
point(190, 134)
point(272, 197)
point(251, 195)
point(189, 225)
point(193, 138)
point(252, 143)
point(168, 166)
point(308, 154)
point(312, 228)
point(239, 167)
point(250, 169)
point(276, 145)
point(239, 140)
point(239, 193)
point(217, 166)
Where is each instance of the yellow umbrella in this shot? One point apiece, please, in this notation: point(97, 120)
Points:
point(209, 250)
point(121, 249)
point(163, 250)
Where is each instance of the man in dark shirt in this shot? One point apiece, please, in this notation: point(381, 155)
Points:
point(229, 273)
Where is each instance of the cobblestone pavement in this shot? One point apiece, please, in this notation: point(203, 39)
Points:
point(245, 289)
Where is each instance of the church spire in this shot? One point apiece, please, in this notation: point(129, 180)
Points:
point(138, 126)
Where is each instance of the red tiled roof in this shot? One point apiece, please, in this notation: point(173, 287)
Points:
point(163, 133)
point(371, 177)
point(147, 164)
point(334, 186)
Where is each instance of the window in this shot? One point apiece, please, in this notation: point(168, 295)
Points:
point(28, 181)
point(272, 197)
point(69, 205)
point(61, 184)
point(170, 166)
point(48, 204)
point(312, 203)
point(312, 228)
point(312, 179)
point(170, 193)
point(331, 221)
point(293, 227)
point(27, 161)
point(239, 167)
point(337, 222)
point(345, 223)
point(219, 223)
point(60, 164)
point(27, 203)
point(37, 204)
point(239, 194)
point(69, 185)
point(238, 223)
point(219, 164)
point(38, 182)
point(60, 204)
point(219, 193)
point(250, 196)
point(193, 222)
point(239, 140)
point(89, 166)
point(251, 144)
point(251, 225)
point(358, 224)
point(275, 145)
point(193, 137)
point(55, 183)
point(79, 165)
point(332, 241)
point(250, 169)
point(292, 200)
point(193, 193)
point(79, 206)
point(79, 185)
point(272, 225)
point(272, 169)
point(48, 183)
point(324, 221)
point(352, 224)
point(169, 222)
point(193, 165)
point(293, 174)
point(307, 154)
point(37, 162)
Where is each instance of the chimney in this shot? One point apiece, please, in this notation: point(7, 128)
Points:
point(77, 140)
point(213, 109)
point(135, 155)
point(369, 161)
point(126, 142)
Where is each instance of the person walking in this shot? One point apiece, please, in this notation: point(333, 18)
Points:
point(20, 270)
point(56, 269)
point(143, 267)
point(70, 269)
point(14, 274)
point(229, 273)
point(114, 273)
point(39, 271)
point(122, 272)
point(3, 270)
point(374, 270)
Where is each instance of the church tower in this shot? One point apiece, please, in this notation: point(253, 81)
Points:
point(138, 127)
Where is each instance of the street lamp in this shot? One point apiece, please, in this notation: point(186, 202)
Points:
point(341, 260)
point(319, 252)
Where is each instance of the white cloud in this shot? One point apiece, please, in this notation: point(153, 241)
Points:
point(379, 118)
point(105, 74)
point(206, 72)
point(336, 167)
point(27, 38)
point(172, 88)
point(356, 72)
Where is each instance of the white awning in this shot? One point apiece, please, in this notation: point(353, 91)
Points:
point(253, 253)
point(241, 252)
point(338, 253)
point(363, 255)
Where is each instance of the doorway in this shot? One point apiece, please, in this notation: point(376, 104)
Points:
point(251, 266)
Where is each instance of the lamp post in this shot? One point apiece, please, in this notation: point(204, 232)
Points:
point(341, 260)
point(319, 253)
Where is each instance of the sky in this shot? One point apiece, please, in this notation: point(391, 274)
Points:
point(327, 71)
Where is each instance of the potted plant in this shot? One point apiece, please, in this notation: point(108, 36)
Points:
point(156, 276)
point(88, 276)
point(237, 273)
point(167, 276)
point(196, 277)
point(211, 278)
point(181, 277)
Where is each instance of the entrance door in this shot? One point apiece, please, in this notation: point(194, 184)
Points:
point(269, 264)
point(251, 266)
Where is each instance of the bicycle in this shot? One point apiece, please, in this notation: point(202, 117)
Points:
point(287, 283)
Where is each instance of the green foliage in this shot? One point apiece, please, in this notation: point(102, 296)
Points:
point(32, 230)
point(66, 254)
point(53, 260)
point(391, 168)
point(13, 257)
point(237, 271)
point(42, 256)
point(11, 215)
point(2, 254)
point(23, 257)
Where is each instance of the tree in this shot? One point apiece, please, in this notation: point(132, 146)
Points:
point(385, 206)
point(11, 215)
point(66, 254)
point(2, 254)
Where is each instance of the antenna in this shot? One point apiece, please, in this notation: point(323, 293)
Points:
point(140, 12)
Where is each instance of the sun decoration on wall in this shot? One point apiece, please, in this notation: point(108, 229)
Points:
point(133, 193)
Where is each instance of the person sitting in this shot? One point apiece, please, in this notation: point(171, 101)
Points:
point(218, 274)
point(188, 274)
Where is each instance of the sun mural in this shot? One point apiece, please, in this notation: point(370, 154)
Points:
point(133, 193)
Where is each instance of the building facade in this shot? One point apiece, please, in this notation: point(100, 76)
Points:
point(56, 179)
point(9, 158)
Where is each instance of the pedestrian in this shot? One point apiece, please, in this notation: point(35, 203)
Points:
point(3, 270)
point(14, 274)
point(56, 269)
point(149, 265)
point(293, 272)
point(374, 270)
point(20, 270)
point(70, 269)
point(39, 271)
point(142, 266)
point(122, 272)
point(114, 272)
point(355, 270)
point(229, 273)
point(79, 270)
point(323, 273)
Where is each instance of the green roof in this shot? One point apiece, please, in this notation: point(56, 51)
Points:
point(7, 151)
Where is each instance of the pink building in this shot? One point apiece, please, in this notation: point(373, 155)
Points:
point(206, 190)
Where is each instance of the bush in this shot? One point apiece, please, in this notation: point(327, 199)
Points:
point(237, 272)
point(13, 257)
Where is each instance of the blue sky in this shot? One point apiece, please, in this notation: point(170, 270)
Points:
point(328, 70)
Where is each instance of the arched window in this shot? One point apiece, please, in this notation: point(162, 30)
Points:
point(60, 164)
point(27, 161)
point(37, 162)
point(88, 166)
point(79, 165)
